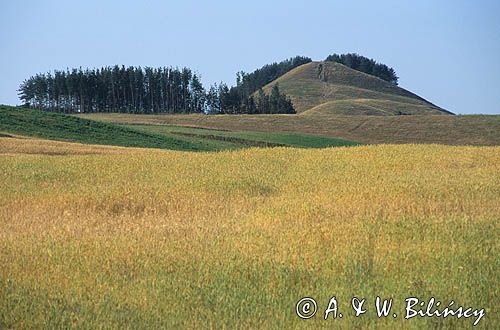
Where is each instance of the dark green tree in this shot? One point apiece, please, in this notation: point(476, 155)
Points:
point(366, 65)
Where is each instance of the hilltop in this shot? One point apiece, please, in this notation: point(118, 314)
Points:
point(333, 88)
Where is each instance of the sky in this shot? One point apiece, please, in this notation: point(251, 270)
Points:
point(446, 51)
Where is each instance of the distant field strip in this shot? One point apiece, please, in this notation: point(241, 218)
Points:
point(245, 139)
point(451, 130)
point(109, 237)
point(39, 124)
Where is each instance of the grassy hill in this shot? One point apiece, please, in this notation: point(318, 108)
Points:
point(54, 126)
point(332, 88)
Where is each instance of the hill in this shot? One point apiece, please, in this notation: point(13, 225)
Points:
point(332, 88)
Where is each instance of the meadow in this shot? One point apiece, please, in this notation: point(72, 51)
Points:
point(23, 122)
point(241, 139)
point(99, 237)
point(479, 130)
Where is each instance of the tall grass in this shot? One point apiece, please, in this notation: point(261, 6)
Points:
point(234, 239)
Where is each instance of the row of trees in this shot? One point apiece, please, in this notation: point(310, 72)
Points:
point(249, 83)
point(115, 89)
point(224, 100)
point(156, 90)
point(366, 65)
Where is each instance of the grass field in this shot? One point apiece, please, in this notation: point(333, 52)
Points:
point(56, 126)
point(107, 237)
point(451, 130)
point(26, 122)
point(240, 139)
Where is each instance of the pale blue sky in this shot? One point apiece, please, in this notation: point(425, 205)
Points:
point(445, 51)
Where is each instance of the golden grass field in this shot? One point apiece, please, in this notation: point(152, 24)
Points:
point(107, 237)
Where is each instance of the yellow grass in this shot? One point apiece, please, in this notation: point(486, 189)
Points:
point(33, 146)
point(99, 237)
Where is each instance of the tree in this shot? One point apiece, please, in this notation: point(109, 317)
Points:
point(148, 90)
point(213, 100)
point(366, 65)
point(274, 100)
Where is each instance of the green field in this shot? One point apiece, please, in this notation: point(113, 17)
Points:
point(239, 139)
point(27, 122)
point(54, 126)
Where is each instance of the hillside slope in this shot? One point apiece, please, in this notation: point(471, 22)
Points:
point(56, 126)
point(332, 88)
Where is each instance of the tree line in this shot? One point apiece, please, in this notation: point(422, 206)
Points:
point(173, 90)
point(366, 65)
point(248, 96)
point(115, 89)
point(156, 90)
point(224, 100)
